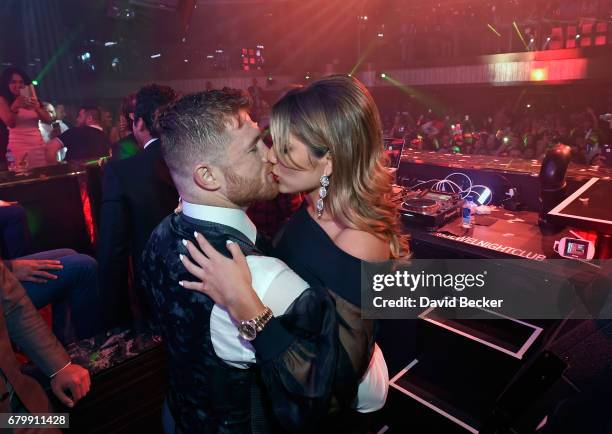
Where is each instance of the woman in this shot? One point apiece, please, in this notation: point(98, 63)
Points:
point(328, 144)
point(21, 114)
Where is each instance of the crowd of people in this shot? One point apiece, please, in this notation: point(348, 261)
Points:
point(526, 136)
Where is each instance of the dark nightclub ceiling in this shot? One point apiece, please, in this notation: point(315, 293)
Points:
point(85, 41)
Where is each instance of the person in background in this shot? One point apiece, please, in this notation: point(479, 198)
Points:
point(54, 127)
point(15, 236)
point(21, 113)
point(257, 96)
point(4, 134)
point(67, 113)
point(137, 193)
point(60, 112)
point(21, 324)
point(398, 129)
point(69, 281)
point(63, 277)
point(446, 146)
point(529, 153)
point(126, 145)
point(106, 122)
point(86, 140)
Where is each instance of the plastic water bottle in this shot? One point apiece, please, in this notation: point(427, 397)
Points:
point(10, 161)
point(467, 214)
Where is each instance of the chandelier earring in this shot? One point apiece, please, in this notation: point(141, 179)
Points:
point(322, 194)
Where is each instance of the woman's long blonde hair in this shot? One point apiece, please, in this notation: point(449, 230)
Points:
point(337, 114)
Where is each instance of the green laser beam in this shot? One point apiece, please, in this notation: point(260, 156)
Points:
point(58, 53)
point(362, 58)
point(412, 91)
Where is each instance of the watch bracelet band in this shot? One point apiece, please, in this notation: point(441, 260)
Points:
point(262, 319)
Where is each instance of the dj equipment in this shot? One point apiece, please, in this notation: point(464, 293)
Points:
point(393, 151)
point(552, 184)
point(575, 248)
point(430, 209)
point(588, 208)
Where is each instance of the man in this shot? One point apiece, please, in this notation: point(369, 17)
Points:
point(55, 127)
point(137, 193)
point(20, 323)
point(60, 112)
point(63, 277)
point(86, 140)
point(69, 281)
point(217, 160)
point(15, 238)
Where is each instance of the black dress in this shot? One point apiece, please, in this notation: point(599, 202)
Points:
point(312, 254)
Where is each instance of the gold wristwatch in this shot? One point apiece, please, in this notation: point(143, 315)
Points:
point(248, 329)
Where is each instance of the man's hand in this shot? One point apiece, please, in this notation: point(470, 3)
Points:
point(32, 270)
point(72, 378)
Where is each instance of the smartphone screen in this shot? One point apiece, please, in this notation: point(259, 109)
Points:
point(25, 91)
point(28, 91)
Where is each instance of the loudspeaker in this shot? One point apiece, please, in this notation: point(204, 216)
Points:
point(552, 184)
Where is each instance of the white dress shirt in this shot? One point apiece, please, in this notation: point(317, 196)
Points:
point(277, 286)
point(47, 129)
point(149, 142)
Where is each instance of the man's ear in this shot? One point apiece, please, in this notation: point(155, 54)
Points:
point(206, 177)
point(139, 124)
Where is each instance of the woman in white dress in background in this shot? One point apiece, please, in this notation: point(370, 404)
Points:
point(21, 115)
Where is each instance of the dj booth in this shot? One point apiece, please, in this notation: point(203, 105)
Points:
point(506, 373)
point(512, 227)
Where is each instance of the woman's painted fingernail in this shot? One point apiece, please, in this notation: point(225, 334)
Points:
point(195, 234)
point(181, 256)
point(184, 243)
point(228, 242)
point(181, 283)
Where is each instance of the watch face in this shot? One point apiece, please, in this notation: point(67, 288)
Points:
point(247, 330)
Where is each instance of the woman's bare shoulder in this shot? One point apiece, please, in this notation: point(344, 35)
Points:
point(363, 245)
